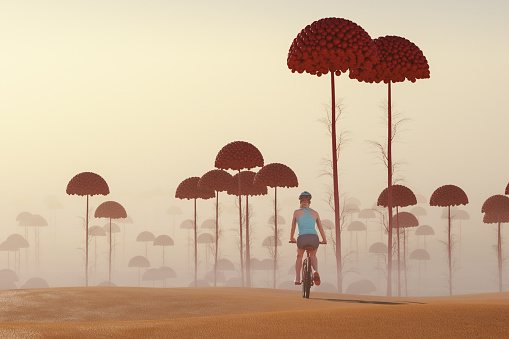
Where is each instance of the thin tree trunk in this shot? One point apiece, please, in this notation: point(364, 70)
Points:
point(240, 230)
point(419, 277)
point(339, 264)
point(357, 248)
point(217, 238)
point(248, 250)
point(123, 246)
point(86, 245)
point(389, 192)
point(275, 237)
point(26, 250)
point(449, 248)
point(399, 265)
point(499, 250)
point(95, 255)
point(195, 248)
point(404, 262)
point(109, 274)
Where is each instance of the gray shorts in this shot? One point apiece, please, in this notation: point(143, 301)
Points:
point(308, 240)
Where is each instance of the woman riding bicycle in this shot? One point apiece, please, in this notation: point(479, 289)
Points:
point(306, 218)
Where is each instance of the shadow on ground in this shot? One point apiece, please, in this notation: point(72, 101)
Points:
point(372, 302)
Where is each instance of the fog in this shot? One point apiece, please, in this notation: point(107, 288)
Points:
point(146, 95)
point(61, 244)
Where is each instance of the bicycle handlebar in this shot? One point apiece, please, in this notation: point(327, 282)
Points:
point(321, 242)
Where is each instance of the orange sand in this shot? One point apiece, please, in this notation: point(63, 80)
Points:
point(97, 312)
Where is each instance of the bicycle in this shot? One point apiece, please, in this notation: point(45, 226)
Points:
point(307, 273)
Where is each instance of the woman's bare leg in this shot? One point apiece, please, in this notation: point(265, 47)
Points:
point(314, 260)
point(298, 263)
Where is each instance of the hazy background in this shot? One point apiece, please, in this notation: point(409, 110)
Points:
point(145, 93)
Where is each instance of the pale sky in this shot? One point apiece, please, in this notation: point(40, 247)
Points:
point(145, 93)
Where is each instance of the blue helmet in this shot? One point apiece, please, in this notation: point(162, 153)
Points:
point(305, 196)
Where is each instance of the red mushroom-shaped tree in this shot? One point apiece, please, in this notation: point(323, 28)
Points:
point(239, 155)
point(447, 196)
point(219, 181)
point(496, 209)
point(188, 189)
point(163, 241)
point(145, 237)
point(139, 261)
point(399, 196)
point(332, 45)
point(124, 221)
point(276, 175)
point(110, 210)
point(419, 254)
point(247, 187)
point(399, 59)
point(89, 184)
point(27, 219)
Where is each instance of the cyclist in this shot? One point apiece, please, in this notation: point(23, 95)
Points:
point(306, 218)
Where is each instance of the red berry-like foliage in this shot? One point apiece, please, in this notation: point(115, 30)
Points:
point(331, 45)
point(247, 185)
point(495, 218)
point(448, 195)
point(276, 175)
point(401, 196)
point(87, 183)
point(399, 59)
point(238, 155)
point(404, 219)
point(110, 209)
point(188, 189)
point(496, 204)
point(217, 180)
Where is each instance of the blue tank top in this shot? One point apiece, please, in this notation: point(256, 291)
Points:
point(306, 223)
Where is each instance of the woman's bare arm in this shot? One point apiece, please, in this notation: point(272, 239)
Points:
point(320, 229)
point(292, 231)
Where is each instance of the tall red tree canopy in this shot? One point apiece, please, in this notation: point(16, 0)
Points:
point(110, 209)
point(87, 183)
point(331, 45)
point(247, 185)
point(402, 196)
point(496, 204)
point(276, 175)
point(238, 155)
point(399, 59)
point(217, 180)
point(404, 219)
point(448, 195)
point(188, 189)
point(495, 218)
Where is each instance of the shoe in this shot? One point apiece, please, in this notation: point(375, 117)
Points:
point(316, 278)
point(297, 281)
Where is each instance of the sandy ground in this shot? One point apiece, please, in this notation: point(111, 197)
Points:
point(124, 312)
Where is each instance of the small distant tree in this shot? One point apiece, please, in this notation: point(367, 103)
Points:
point(87, 184)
